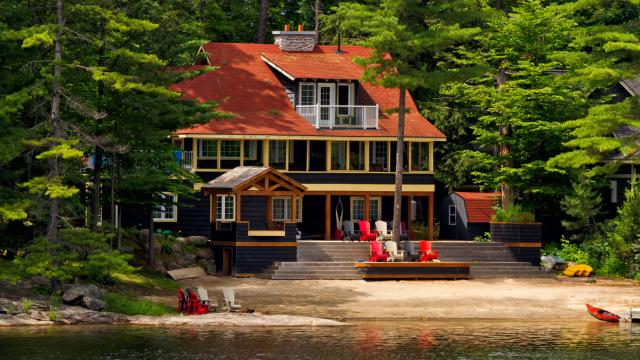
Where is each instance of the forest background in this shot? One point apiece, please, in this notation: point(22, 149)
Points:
point(519, 87)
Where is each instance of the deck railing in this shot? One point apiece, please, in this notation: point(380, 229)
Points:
point(185, 159)
point(340, 116)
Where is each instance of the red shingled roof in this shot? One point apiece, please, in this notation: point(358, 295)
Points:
point(479, 206)
point(247, 87)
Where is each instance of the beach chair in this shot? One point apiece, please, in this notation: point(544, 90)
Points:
point(426, 253)
point(382, 232)
point(365, 231)
point(204, 299)
point(183, 303)
point(376, 252)
point(349, 231)
point(410, 251)
point(393, 252)
point(230, 300)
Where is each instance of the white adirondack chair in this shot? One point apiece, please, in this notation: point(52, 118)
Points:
point(230, 300)
point(382, 232)
point(394, 253)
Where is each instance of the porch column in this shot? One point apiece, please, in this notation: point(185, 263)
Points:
point(293, 208)
point(238, 205)
point(431, 214)
point(327, 217)
point(269, 212)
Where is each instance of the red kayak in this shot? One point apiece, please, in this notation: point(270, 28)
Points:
point(602, 314)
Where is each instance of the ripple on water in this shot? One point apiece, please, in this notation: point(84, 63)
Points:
point(459, 339)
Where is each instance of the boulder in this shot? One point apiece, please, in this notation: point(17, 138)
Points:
point(40, 281)
point(204, 253)
point(160, 266)
point(176, 247)
point(209, 266)
point(186, 259)
point(75, 294)
point(172, 265)
point(180, 240)
point(92, 303)
point(197, 240)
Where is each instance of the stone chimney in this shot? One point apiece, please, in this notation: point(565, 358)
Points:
point(295, 40)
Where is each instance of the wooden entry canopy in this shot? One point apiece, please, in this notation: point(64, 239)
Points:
point(255, 181)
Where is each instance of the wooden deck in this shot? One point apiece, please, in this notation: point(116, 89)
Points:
point(413, 270)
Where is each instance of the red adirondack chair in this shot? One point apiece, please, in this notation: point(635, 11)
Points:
point(376, 252)
point(365, 231)
point(190, 303)
point(426, 253)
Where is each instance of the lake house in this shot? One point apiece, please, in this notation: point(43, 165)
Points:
point(309, 146)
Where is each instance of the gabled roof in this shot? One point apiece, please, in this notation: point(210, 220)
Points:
point(297, 65)
point(247, 87)
point(479, 206)
point(245, 177)
point(632, 86)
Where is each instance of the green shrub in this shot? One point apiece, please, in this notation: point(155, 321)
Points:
point(568, 251)
point(79, 253)
point(515, 213)
point(129, 305)
point(26, 305)
point(484, 238)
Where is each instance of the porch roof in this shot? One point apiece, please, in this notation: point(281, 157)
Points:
point(260, 179)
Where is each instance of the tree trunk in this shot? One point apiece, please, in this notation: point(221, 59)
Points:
point(114, 221)
point(397, 194)
point(505, 150)
point(95, 192)
point(317, 10)
point(151, 250)
point(262, 21)
point(203, 10)
point(54, 166)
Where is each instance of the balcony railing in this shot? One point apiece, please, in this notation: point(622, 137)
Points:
point(340, 116)
point(185, 159)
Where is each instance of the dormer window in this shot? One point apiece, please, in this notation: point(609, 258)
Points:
point(307, 93)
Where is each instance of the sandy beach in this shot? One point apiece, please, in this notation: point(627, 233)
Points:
point(527, 299)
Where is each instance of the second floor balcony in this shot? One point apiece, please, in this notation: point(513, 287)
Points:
point(340, 116)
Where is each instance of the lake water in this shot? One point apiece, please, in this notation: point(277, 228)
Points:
point(458, 339)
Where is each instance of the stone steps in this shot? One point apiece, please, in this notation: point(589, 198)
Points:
point(328, 260)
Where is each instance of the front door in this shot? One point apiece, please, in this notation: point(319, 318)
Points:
point(327, 101)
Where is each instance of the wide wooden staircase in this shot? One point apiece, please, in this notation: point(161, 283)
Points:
point(334, 260)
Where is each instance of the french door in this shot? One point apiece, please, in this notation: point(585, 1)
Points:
point(327, 101)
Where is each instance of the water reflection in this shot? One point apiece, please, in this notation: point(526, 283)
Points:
point(471, 339)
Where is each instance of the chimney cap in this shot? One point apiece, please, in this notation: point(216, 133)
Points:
point(289, 33)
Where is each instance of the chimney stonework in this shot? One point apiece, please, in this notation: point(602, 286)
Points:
point(295, 40)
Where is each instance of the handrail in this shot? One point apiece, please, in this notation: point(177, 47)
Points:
point(340, 116)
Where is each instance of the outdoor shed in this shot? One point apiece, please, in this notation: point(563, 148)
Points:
point(466, 215)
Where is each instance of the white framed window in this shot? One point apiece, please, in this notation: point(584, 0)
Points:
point(613, 185)
point(307, 93)
point(345, 99)
point(452, 215)
point(226, 208)
point(168, 211)
point(230, 149)
point(282, 210)
point(357, 208)
point(207, 149)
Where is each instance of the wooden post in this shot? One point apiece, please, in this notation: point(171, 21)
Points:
point(238, 207)
point(430, 218)
point(269, 208)
point(213, 207)
point(293, 208)
point(327, 217)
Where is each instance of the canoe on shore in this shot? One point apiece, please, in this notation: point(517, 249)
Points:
point(602, 314)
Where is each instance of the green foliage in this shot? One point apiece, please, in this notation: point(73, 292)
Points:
point(26, 305)
point(515, 213)
point(12, 309)
point(484, 238)
point(129, 305)
point(582, 206)
point(79, 253)
point(626, 230)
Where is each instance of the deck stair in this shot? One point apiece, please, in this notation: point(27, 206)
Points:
point(334, 260)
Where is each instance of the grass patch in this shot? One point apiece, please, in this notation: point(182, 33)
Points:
point(149, 280)
point(128, 305)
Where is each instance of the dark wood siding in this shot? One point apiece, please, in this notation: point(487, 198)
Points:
point(253, 260)
point(254, 210)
